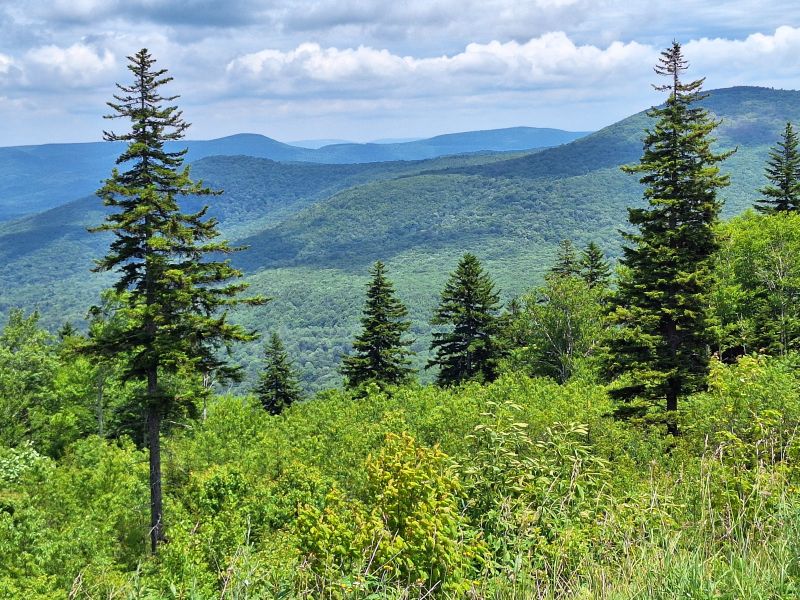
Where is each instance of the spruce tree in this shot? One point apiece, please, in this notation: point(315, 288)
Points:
point(783, 173)
point(173, 285)
point(67, 331)
point(468, 349)
point(566, 263)
point(662, 332)
point(278, 387)
point(595, 270)
point(380, 354)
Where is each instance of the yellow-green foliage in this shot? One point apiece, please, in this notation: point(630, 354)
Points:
point(410, 531)
point(415, 493)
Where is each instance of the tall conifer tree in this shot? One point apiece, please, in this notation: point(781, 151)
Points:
point(595, 269)
point(173, 286)
point(566, 260)
point(783, 172)
point(663, 335)
point(277, 387)
point(380, 354)
point(469, 348)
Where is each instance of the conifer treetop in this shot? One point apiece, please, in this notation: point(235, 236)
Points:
point(278, 387)
point(595, 270)
point(380, 352)
point(782, 194)
point(672, 63)
point(662, 331)
point(566, 263)
point(468, 348)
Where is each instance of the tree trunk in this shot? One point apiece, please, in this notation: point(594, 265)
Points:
point(154, 445)
point(674, 382)
point(206, 387)
point(99, 410)
point(672, 407)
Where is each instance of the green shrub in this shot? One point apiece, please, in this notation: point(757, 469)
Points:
point(411, 533)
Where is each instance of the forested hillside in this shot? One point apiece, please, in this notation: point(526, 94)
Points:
point(36, 178)
point(314, 229)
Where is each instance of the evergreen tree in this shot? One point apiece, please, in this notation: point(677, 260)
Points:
point(277, 387)
point(67, 331)
point(663, 332)
point(566, 263)
point(380, 354)
point(783, 172)
point(174, 286)
point(469, 348)
point(595, 270)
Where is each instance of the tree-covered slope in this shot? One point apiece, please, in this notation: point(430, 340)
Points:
point(36, 178)
point(574, 190)
point(510, 212)
point(45, 258)
point(313, 230)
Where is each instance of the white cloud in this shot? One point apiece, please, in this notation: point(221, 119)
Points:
point(5, 64)
point(549, 61)
point(748, 60)
point(335, 65)
point(74, 66)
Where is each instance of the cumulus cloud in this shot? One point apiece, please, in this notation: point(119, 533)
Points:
point(322, 67)
point(5, 64)
point(551, 60)
point(748, 60)
point(78, 65)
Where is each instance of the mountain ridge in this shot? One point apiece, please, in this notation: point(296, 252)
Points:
point(34, 178)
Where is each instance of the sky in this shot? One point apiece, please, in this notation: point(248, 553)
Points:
point(366, 69)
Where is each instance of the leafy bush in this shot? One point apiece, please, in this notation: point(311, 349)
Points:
point(411, 533)
point(521, 488)
point(538, 501)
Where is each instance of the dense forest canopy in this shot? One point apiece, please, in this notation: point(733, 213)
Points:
point(614, 415)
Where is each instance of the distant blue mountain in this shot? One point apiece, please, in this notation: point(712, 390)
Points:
point(37, 178)
point(393, 140)
point(315, 144)
point(492, 140)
